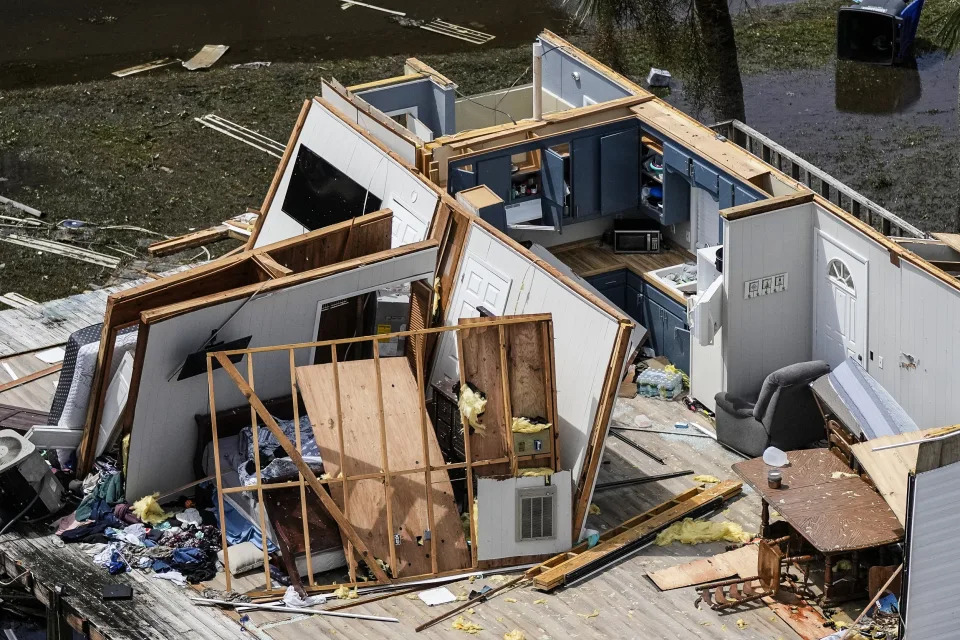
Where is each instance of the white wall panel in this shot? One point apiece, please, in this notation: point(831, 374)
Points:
point(583, 337)
point(497, 517)
point(934, 556)
point(164, 431)
point(762, 334)
point(363, 161)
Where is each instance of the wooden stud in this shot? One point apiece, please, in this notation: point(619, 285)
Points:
point(351, 561)
point(469, 462)
point(549, 376)
point(428, 474)
point(255, 427)
point(297, 458)
point(303, 486)
point(384, 460)
point(36, 375)
point(507, 404)
point(216, 467)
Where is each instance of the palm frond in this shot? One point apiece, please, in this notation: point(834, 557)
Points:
point(949, 34)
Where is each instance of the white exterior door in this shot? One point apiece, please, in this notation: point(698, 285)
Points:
point(478, 286)
point(840, 287)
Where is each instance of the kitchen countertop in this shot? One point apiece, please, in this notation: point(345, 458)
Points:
point(591, 257)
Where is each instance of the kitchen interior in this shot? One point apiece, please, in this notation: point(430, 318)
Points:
point(608, 209)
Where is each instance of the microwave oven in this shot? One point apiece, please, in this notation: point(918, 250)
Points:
point(636, 236)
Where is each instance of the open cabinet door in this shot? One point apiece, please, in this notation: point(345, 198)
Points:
point(461, 179)
point(554, 188)
point(706, 313)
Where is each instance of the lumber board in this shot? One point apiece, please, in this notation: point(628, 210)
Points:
point(345, 526)
point(742, 562)
point(188, 241)
point(361, 435)
point(554, 576)
point(889, 469)
point(952, 240)
point(30, 377)
point(480, 360)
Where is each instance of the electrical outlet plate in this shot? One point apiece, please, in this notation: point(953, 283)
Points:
point(765, 286)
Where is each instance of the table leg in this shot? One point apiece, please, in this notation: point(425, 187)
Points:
point(827, 577)
point(856, 571)
point(764, 518)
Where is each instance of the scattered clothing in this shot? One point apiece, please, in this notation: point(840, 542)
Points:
point(292, 599)
point(149, 510)
point(190, 516)
point(123, 512)
point(173, 576)
point(108, 492)
point(274, 461)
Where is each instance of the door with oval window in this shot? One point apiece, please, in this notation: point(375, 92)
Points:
point(840, 287)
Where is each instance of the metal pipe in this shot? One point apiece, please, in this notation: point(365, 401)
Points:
point(626, 440)
point(317, 612)
point(644, 480)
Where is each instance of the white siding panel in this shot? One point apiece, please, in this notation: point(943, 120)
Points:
point(934, 556)
point(164, 432)
point(910, 312)
point(760, 335)
point(497, 517)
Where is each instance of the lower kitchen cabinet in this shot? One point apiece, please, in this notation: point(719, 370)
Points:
point(663, 317)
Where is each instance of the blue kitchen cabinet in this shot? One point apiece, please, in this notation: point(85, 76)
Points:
point(495, 173)
point(742, 195)
point(612, 286)
point(634, 304)
point(669, 335)
point(619, 171)
point(585, 176)
point(727, 187)
point(706, 177)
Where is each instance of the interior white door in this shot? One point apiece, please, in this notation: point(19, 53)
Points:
point(840, 283)
point(407, 227)
point(479, 285)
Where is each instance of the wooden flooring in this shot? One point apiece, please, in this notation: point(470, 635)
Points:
point(627, 603)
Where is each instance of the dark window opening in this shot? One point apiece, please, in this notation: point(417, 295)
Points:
point(319, 194)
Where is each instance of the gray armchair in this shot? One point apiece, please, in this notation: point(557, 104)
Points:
point(785, 415)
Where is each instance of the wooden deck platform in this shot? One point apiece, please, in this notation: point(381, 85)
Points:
point(626, 602)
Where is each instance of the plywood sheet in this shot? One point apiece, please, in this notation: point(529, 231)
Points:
point(361, 433)
point(739, 562)
point(889, 469)
point(481, 367)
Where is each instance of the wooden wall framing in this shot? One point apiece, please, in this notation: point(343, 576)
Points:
point(303, 254)
point(517, 348)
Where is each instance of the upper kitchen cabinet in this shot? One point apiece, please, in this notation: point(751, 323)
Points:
point(585, 176)
point(619, 171)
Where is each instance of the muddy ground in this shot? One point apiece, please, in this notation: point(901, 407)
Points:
point(128, 152)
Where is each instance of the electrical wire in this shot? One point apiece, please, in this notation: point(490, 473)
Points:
point(14, 579)
point(13, 520)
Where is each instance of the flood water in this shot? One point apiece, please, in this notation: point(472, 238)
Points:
point(46, 42)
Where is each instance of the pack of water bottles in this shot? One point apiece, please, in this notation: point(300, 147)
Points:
point(659, 383)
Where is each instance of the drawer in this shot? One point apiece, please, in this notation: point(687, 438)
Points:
point(609, 279)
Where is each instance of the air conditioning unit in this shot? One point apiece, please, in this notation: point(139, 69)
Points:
point(24, 476)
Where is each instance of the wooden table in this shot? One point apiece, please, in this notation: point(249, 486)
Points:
point(835, 513)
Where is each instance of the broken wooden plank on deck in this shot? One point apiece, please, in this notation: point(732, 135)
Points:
point(59, 248)
point(206, 57)
point(565, 567)
point(16, 300)
point(21, 206)
point(146, 66)
point(190, 240)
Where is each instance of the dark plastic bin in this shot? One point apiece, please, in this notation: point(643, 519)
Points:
point(878, 31)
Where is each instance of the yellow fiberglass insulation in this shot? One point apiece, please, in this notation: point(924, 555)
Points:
point(533, 472)
point(149, 510)
point(462, 624)
point(526, 425)
point(690, 531)
point(472, 405)
point(516, 634)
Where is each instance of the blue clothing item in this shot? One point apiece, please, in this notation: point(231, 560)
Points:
point(187, 556)
point(239, 528)
point(160, 566)
point(117, 564)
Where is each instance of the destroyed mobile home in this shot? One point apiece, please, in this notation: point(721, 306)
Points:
point(403, 386)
